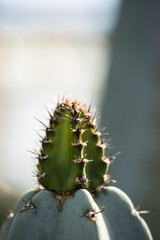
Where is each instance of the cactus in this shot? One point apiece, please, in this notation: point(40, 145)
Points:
point(72, 155)
point(75, 201)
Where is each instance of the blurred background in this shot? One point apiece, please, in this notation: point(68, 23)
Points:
point(104, 52)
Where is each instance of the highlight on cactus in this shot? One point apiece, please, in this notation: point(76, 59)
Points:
point(74, 200)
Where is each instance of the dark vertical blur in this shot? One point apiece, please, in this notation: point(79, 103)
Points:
point(131, 105)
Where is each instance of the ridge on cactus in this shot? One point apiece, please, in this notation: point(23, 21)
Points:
point(75, 201)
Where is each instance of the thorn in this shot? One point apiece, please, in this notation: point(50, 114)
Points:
point(113, 157)
point(27, 206)
point(46, 140)
point(49, 129)
point(107, 178)
point(87, 117)
point(24, 200)
point(79, 143)
point(103, 128)
point(54, 119)
point(35, 172)
point(93, 215)
point(142, 211)
point(35, 153)
point(42, 156)
point(89, 108)
point(47, 111)
point(63, 98)
point(106, 160)
point(96, 133)
point(146, 211)
point(108, 140)
point(78, 130)
point(39, 134)
point(107, 144)
point(41, 175)
point(85, 154)
point(81, 180)
point(94, 117)
point(104, 134)
point(41, 122)
point(58, 100)
point(82, 159)
point(101, 145)
point(103, 140)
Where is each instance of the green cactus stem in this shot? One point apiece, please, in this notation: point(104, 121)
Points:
point(72, 154)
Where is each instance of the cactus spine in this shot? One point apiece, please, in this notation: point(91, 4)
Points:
point(75, 202)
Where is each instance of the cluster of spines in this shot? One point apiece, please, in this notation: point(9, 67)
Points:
point(84, 156)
